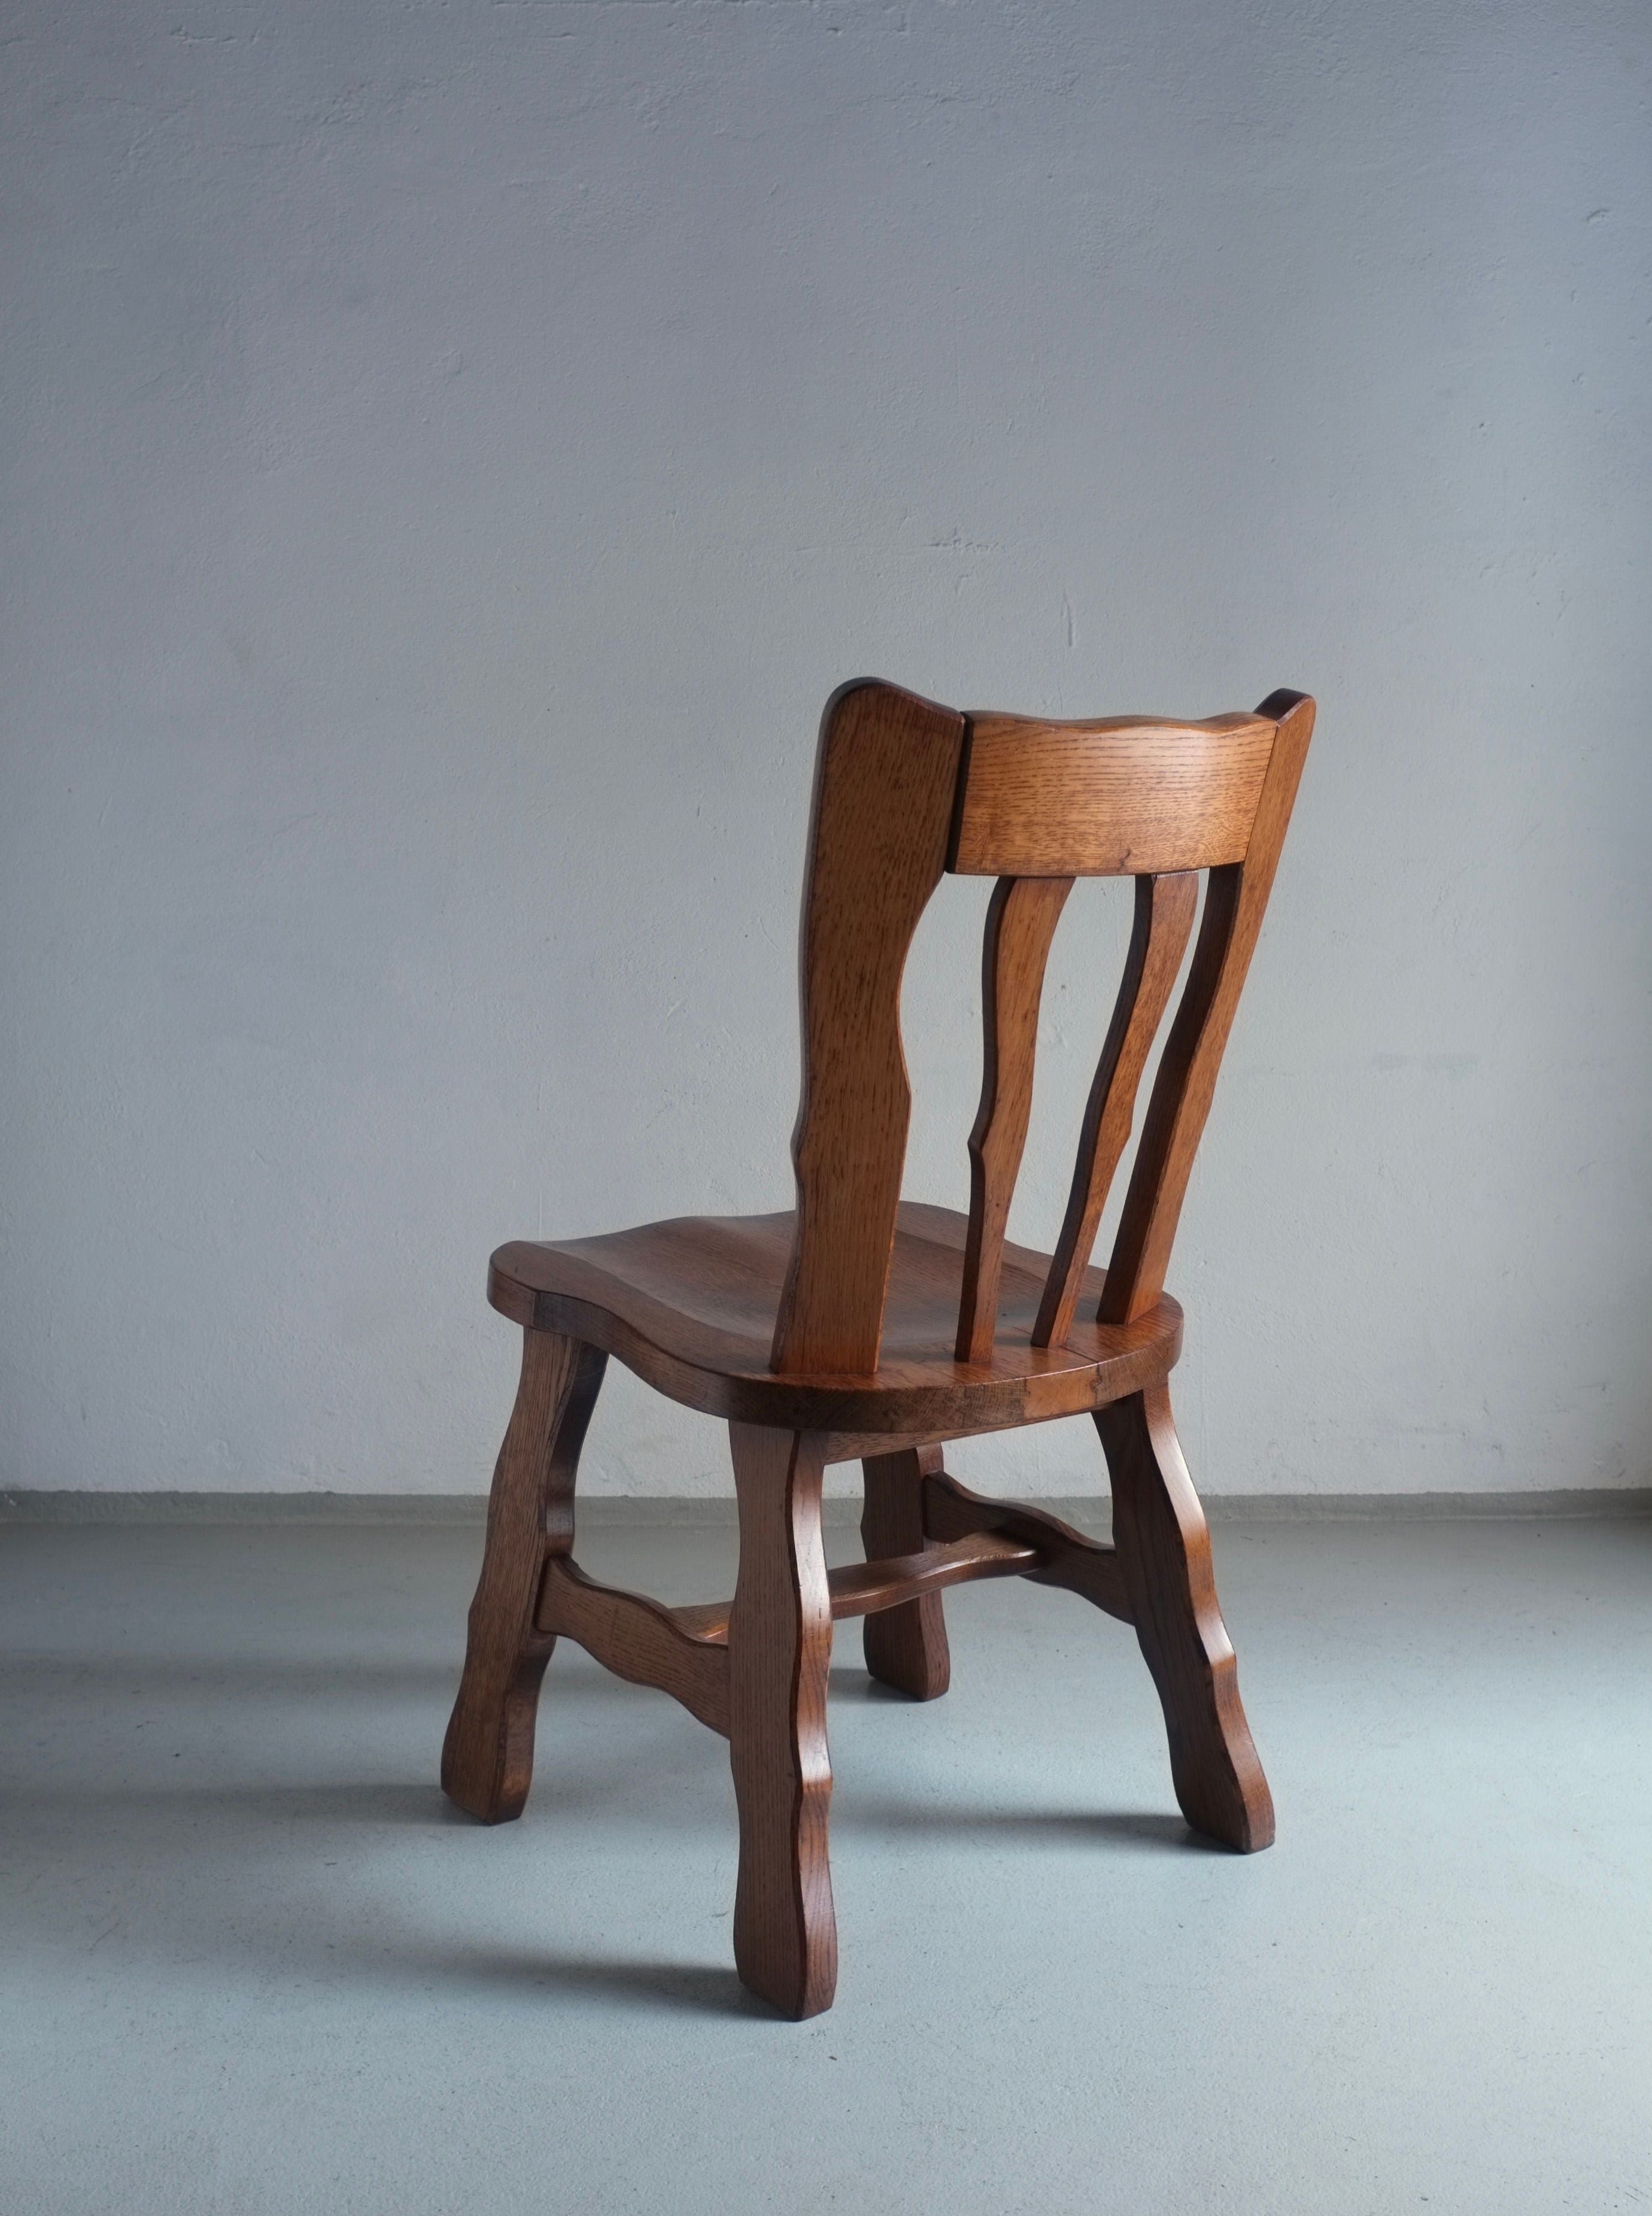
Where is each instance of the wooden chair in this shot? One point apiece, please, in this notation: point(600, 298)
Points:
point(861, 1328)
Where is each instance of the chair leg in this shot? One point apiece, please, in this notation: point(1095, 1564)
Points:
point(488, 1755)
point(1164, 1546)
point(779, 1653)
point(905, 1646)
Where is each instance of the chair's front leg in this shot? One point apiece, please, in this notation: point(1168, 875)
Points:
point(779, 1655)
point(1164, 1548)
point(488, 1755)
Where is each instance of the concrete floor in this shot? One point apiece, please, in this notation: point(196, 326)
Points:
point(251, 1963)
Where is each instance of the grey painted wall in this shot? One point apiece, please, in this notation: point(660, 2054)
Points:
point(451, 453)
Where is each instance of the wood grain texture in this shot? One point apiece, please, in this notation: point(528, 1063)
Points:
point(1158, 939)
point(1137, 795)
point(639, 1639)
point(859, 1588)
point(1164, 1546)
point(905, 1647)
point(1062, 1556)
point(650, 1639)
point(1020, 922)
point(779, 1655)
point(884, 791)
point(488, 1754)
point(1235, 901)
point(689, 1306)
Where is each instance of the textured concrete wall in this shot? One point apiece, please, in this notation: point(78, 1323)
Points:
point(451, 452)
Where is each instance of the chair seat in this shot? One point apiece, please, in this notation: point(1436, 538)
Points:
point(690, 1305)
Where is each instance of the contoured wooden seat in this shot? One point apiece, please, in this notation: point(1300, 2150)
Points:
point(857, 1326)
point(691, 1306)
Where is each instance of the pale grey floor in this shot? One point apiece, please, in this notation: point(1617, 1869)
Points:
point(249, 1962)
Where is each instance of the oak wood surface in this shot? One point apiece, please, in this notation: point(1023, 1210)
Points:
point(779, 1653)
point(1164, 1546)
point(488, 1754)
point(860, 1587)
point(883, 801)
point(1020, 922)
point(1158, 939)
point(1061, 1556)
point(1129, 796)
point(905, 1647)
point(689, 1306)
point(1235, 899)
point(639, 1639)
point(651, 1641)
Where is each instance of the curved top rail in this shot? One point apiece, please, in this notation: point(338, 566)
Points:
point(1135, 796)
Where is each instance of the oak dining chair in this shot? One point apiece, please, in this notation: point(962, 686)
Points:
point(859, 1326)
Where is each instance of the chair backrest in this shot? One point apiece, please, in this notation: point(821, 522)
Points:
point(905, 791)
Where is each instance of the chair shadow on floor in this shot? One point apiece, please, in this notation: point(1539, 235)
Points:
point(1072, 1826)
point(693, 1988)
point(254, 1875)
point(33, 1678)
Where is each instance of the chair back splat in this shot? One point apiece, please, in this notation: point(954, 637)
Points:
point(904, 791)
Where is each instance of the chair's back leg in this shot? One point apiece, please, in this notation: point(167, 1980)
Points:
point(905, 1646)
point(1164, 1546)
point(488, 1755)
point(779, 1655)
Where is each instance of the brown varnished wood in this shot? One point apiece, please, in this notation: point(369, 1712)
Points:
point(1062, 1556)
point(639, 1639)
point(779, 1653)
point(1235, 899)
point(1158, 939)
point(857, 1326)
point(639, 1631)
point(905, 1647)
point(861, 1587)
point(1164, 1546)
point(706, 1621)
point(1133, 796)
point(488, 1754)
point(1020, 922)
point(884, 790)
point(689, 1306)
